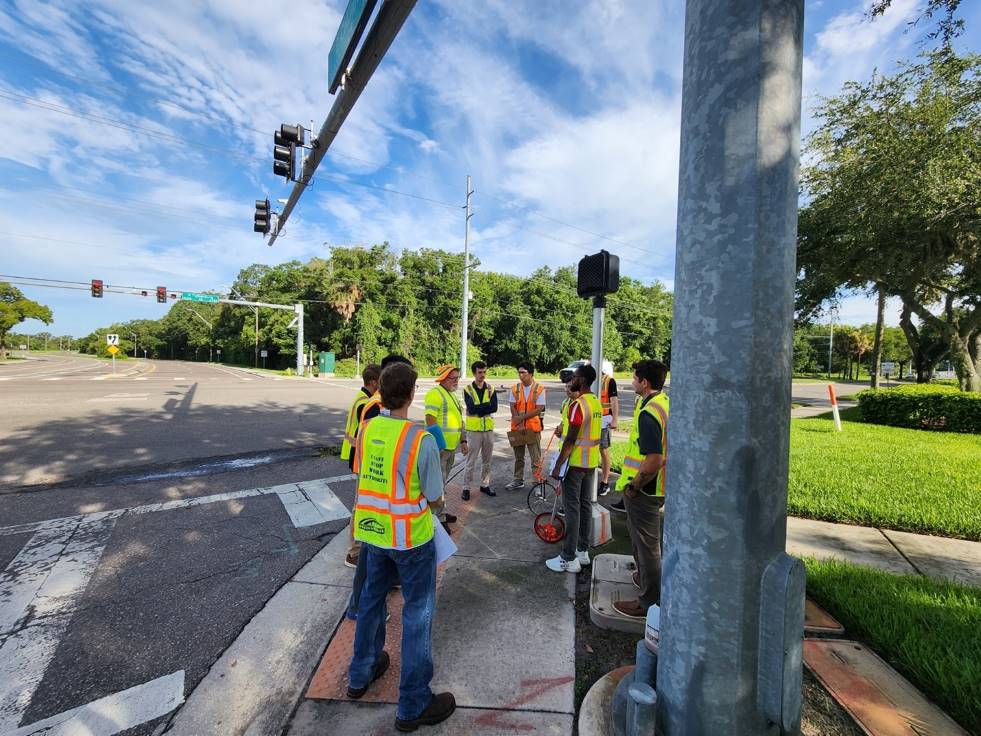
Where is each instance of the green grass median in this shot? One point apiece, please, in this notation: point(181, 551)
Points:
point(929, 630)
point(871, 475)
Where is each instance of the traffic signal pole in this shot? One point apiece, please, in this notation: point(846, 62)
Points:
point(391, 16)
point(729, 660)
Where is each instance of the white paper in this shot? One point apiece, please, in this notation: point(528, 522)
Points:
point(552, 460)
point(607, 421)
point(445, 546)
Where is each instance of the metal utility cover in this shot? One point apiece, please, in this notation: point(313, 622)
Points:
point(349, 32)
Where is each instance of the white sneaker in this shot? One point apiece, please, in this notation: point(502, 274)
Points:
point(557, 564)
point(514, 485)
point(583, 558)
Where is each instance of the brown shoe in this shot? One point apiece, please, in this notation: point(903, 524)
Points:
point(632, 609)
point(439, 709)
point(381, 666)
point(350, 560)
point(636, 579)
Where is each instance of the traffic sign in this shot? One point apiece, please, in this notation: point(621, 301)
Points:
point(112, 349)
point(112, 339)
point(190, 296)
point(888, 367)
point(353, 23)
point(263, 353)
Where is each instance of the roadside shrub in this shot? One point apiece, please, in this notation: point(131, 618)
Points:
point(346, 368)
point(923, 406)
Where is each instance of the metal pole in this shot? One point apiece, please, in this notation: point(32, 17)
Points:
point(298, 308)
point(831, 344)
point(391, 16)
point(256, 336)
point(358, 364)
point(466, 286)
point(599, 311)
point(729, 660)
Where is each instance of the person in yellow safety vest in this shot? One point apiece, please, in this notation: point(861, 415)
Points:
point(527, 400)
point(399, 478)
point(481, 404)
point(571, 394)
point(580, 447)
point(610, 401)
point(642, 483)
point(369, 388)
point(444, 410)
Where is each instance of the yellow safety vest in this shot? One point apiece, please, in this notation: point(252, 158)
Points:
point(586, 453)
point(446, 408)
point(353, 423)
point(564, 412)
point(390, 510)
point(480, 424)
point(658, 407)
point(605, 396)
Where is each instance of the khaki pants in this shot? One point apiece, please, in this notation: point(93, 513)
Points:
point(534, 450)
point(645, 522)
point(481, 446)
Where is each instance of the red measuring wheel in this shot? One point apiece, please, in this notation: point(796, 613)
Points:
point(549, 529)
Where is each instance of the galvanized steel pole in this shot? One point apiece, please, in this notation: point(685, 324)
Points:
point(731, 597)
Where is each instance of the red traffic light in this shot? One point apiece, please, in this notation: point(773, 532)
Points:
point(162, 294)
point(97, 288)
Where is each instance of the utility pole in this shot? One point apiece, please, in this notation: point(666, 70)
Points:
point(133, 335)
point(732, 615)
point(831, 342)
point(466, 285)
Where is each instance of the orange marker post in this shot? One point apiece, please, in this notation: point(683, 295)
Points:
point(834, 406)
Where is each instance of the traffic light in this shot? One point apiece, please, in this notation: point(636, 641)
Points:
point(162, 294)
point(599, 274)
point(261, 219)
point(97, 288)
point(285, 141)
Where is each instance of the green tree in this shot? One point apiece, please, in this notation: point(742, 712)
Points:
point(892, 198)
point(14, 309)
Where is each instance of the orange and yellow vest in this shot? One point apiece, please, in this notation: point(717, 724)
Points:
point(586, 453)
point(605, 395)
point(445, 407)
point(353, 423)
point(479, 424)
point(390, 510)
point(522, 407)
point(373, 401)
point(658, 407)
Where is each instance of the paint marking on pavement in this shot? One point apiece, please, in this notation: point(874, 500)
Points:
point(320, 496)
point(55, 378)
point(38, 591)
point(180, 378)
point(144, 378)
point(114, 713)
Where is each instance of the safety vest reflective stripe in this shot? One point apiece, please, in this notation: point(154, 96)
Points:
point(523, 407)
point(586, 452)
point(448, 414)
point(659, 406)
point(391, 510)
point(475, 423)
point(605, 395)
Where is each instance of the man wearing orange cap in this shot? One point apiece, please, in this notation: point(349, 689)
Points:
point(444, 410)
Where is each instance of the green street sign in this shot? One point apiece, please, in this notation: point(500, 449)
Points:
point(353, 23)
point(190, 296)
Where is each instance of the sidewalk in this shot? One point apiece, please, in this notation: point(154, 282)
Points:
point(503, 635)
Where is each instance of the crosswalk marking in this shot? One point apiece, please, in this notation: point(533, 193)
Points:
point(38, 591)
point(114, 713)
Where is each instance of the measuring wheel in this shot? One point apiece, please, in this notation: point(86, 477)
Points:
point(541, 497)
point(549, 527)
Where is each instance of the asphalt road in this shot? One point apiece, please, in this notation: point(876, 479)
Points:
point(146, 516)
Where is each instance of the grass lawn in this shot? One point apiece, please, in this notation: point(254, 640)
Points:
point(871, 475)
point(929, 630)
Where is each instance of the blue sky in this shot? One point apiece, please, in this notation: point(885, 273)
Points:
point(566, 114)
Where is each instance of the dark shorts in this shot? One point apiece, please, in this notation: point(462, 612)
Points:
point(604, 438)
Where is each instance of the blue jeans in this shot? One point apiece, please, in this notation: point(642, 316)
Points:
point(415, 570)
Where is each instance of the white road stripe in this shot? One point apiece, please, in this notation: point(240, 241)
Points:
point(114, 713)
point(315, 486)
point(38, 591)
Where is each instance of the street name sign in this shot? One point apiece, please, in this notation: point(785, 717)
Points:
point(190, 296)
point(349, 32)
point(112, 339)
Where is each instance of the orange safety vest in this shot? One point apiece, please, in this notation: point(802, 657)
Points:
point(518, 400)
point(605, 396)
